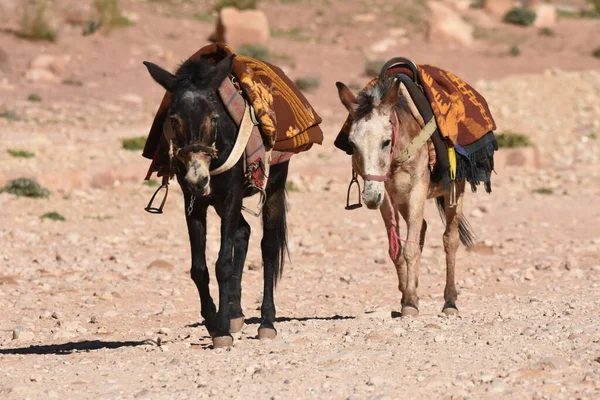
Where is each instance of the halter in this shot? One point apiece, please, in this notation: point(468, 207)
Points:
point(395, 128)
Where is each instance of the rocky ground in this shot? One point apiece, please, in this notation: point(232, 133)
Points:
point(101, 305)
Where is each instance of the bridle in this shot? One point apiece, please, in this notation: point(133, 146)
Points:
point(395, 129)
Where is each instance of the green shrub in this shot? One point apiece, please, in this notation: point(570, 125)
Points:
point(308, 83)
point(204, 17)
point(520, 16)
point(596, 53)
point(255, 51)
point(151, 183)
point(18, 153)
point(373, 67)
point(239, 4)
point(36, 26)
point(110, 14)
point(133, 144)
point(9, 115)
point(510, 139)
point(25, 187)
point(291, 187)
point(514, 51)
point(596, 4)
point(54, 216)
point(547, 32)
point(34, 98)
point(477, 4)
point(546, 191)
point(72, 82)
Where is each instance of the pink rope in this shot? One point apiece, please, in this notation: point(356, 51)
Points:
point(394, 239)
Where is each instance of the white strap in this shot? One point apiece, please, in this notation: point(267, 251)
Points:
point(240, 143)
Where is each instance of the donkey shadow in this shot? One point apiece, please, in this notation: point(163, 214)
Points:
point(257, 320)
point(70, 347)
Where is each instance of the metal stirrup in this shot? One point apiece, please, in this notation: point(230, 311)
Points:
point(353, 181)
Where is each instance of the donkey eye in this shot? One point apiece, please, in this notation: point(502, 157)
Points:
point(214, 120)
point(386, 144)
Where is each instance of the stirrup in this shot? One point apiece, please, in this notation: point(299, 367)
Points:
point(159, 210)
point(353, 181)
point(261, 202)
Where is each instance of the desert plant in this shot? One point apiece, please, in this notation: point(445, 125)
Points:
point(34, 98)
point(239, 4)
point(34, 24)
point(547, 32)
point(72, 82)
point(293, 34)
point(514, 51)
point(510, 140)
point(520, 16)
point(151, 183)
point(204, 17)
point(10, 115)
point(110, 14)
point(18, 153)
point(291, 187)
point(54, 216)
point(477, 4)
point(373, 67)
point(544, 190)
point(133, 144)
point(255, 51)
point(596, 4)
point(25, 187)
point(307, 83)
point(596, 53)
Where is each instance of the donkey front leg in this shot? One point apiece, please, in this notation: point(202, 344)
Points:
point(451, 239)
point(399, 262)
point(412, 249)
point(242, 236)
point(196, 224)
point(230, 212)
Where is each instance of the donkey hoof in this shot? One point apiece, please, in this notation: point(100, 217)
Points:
point(212, 334)
point(221, 342)
point(409, 311)
point(450, 311)
point(236, 325)
point(267, 333)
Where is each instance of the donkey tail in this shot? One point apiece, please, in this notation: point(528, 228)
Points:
point(465, 231)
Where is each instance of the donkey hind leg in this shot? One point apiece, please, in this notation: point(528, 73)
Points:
point(199, 272)
point(240, 249)
point(229, 210)
point(416, 228)
point(273, 246)
point(451, 240)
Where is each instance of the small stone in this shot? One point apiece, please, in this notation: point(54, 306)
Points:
point(22, 335)
point(45, 314)
point(56, 315)
point(376, 381)
point(161, 265)
point(164, 331)
point(93, 319)
point(168, 309)
point(570, 262)
point(439, 339)
point(35, 378)
point(498, 387)
point(106, 296)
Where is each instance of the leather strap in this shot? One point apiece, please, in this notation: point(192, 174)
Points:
point(240, 144)
point(418, 142)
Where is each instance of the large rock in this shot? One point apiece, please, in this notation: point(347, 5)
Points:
point(546, 16)
point(47, 68)
point(447, 25)
point(498, 7)
point(241, 27)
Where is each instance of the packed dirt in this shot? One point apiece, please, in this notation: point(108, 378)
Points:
point(101, 305)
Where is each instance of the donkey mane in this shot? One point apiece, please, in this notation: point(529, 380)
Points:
point(370, 98)
point(194, 72)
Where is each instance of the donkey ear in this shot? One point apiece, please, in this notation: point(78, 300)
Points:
point(161, 76)
point(222, 70)
point(347, 97)
point(391, 97)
